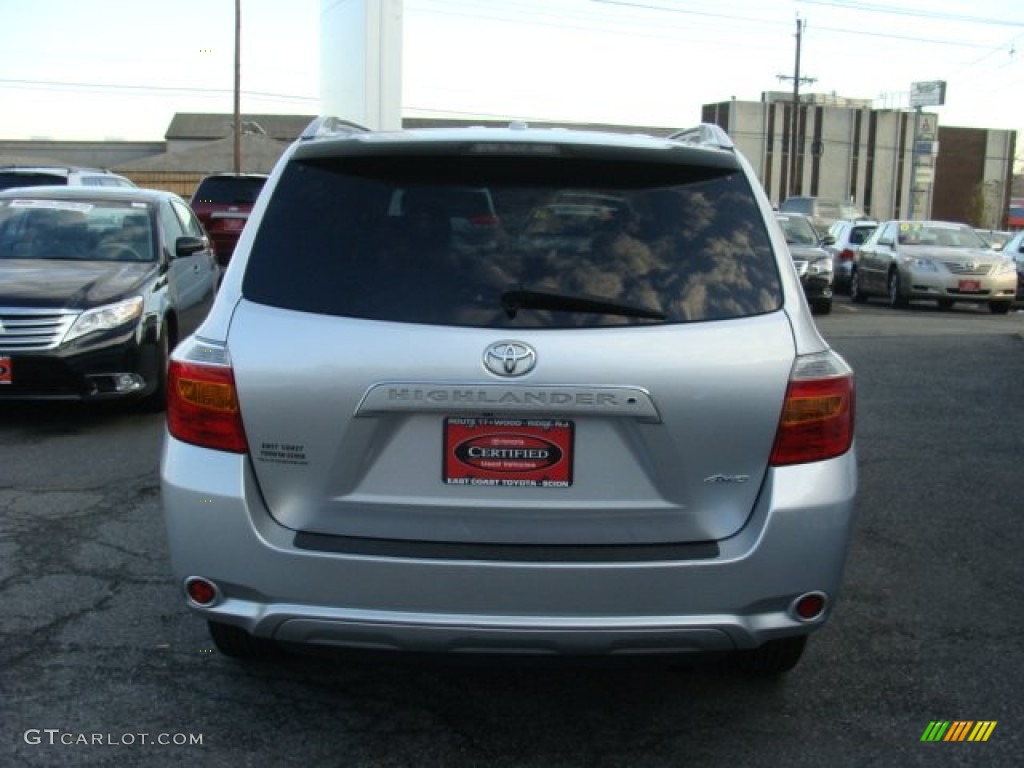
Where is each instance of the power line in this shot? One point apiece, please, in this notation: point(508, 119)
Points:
point(842, 30)
point(65, 85)
point(897, 11)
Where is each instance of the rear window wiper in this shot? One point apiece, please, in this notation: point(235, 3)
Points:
point(513, 301)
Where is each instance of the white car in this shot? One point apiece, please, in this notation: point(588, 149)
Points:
point(848, 235)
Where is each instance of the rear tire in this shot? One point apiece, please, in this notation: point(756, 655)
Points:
point(856, 294)
point(236, 643)
point(821, 306)
point(776, 657)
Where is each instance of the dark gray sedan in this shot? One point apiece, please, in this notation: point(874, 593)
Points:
point(813, 263)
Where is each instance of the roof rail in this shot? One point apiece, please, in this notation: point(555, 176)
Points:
point(706, 134)
point(326, 126)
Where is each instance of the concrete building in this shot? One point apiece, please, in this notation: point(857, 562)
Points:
point(846, 149)
point(361, 61)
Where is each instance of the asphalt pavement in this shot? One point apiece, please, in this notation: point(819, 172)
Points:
point(102, 665)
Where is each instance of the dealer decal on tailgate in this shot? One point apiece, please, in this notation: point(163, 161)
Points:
point(531, 453)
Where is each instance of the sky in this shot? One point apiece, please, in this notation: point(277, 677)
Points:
point(120, 69)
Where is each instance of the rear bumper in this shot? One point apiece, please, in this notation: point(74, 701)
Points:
point(841, 275)
point(795, 543)
point(224, 246)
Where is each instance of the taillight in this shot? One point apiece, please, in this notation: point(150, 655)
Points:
point(484, 220)
point(846, 255)
point(818, 414)
point(202, 406)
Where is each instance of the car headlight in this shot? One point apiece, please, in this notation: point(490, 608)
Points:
point(106, 317)
point(922, 265)
point(820, 267)
point(1005, 266)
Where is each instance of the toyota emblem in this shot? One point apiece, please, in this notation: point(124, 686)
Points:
point(509, 358)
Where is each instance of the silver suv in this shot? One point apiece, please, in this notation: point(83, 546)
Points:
point(610, 429)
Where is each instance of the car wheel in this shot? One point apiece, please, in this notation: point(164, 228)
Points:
point(776, 657)
point(855, 292)
point(999, 307)
point(156, 401)
point(821, 306)
point(896, 297)
point(236, 643)
point(945, 304)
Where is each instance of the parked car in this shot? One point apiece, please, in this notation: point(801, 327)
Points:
point(943, 261)
point(1013, 250)
point(378, 439)
point(223, 202)
point(813, 263)
point(471, 217)
point(848, 235)
point(46, 175)
point(96, 286)
point(822, 211)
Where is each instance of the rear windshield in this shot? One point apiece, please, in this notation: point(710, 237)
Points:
point(802, 205)
point(513, 242)
point(9, 180)
point(228, 190)
point(859, 234)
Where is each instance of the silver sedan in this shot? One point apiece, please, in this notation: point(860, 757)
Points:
point(942, 261)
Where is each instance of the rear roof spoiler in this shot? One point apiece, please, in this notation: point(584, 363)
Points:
point(705, 134)
point(329, 126)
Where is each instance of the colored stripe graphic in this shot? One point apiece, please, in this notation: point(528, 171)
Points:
point(982, 730)
point(935, 730)
point(958, 730)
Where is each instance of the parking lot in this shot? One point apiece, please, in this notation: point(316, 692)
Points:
point(103, 665)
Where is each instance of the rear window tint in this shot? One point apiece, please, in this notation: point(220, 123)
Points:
point(859, 234)
point(513, 242)
point(11, 180)
point(798, 205)
point(228, 190)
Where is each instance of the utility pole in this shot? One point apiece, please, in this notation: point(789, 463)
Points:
point(238, 85)
point(793, 129)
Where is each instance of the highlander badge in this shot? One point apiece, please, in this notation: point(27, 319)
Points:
point(509, 358)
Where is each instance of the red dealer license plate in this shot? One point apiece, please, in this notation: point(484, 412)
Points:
point(969, 286)
point(526, 453)
point(5, 371)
